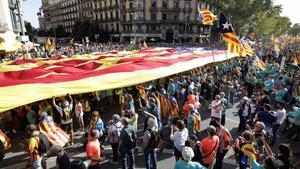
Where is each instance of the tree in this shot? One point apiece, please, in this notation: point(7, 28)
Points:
point(295, 30)
point(259, 16)
point(31, 31)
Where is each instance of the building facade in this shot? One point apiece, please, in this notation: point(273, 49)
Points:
point(54, 13)
point(11, 26)
point(131, 20)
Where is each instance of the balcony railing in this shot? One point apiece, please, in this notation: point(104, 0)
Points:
point(153, 9)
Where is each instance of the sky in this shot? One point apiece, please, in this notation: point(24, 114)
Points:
point(290, 9)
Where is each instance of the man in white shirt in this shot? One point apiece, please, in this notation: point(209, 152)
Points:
point(280, 116)
point(66, 116)
point(79, 113)
point(216, 108)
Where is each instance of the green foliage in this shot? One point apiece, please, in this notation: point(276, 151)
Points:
point(259, 16)
point(31, 31)
point(295, 30)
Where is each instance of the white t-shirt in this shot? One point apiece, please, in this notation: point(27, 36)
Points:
point(216, 112)
point(78, 110)
point(280, 116)
point(179, 138)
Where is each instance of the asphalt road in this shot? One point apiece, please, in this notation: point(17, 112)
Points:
point(16, 158)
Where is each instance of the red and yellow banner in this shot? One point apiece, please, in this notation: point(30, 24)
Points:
point(26, 81)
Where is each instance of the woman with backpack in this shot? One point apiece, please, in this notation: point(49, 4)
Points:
point(150, 143)
point(113, 135)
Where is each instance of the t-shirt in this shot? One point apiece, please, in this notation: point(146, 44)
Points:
point(78, 110)
point(93, 150)
point(31, 117)
point(171, 89)
point(207, 146)
point(179, 138)
point(216, 112)
point(280, 95)
point(125, 138)
point(280, 116)
point(181, 164)
point(33, 147)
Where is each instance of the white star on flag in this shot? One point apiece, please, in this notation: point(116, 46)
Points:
point(226, 25)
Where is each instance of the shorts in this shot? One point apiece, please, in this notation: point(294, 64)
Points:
point(177, 153)
point(37, 164)
point(67, 127)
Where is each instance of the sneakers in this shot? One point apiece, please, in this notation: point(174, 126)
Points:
point(113, 162)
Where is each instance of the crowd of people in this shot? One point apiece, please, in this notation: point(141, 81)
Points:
point(266, 100)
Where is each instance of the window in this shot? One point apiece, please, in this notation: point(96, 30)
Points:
point(117, 14)
point(124, 17)
point(111, 15)
point(123, 6)
point(101, 16)
point(164, 16)
point(117, 25)
point(153, 16)
point(153, 27)
point(124, 28)
point(106, 16)
point(131, 17)
point(176, 4)
point(165, 4)
point(175, 16)
point(153, 4)
point(187, 5)
point(130, 5)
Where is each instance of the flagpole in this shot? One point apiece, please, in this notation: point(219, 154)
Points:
point(211, 44)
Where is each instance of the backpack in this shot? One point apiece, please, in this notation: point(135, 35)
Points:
point(132, 139)
point(116, 134)
point(67, 115)
point(154, 139)
point(43, 143)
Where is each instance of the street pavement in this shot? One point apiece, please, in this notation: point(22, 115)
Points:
point(16, 158)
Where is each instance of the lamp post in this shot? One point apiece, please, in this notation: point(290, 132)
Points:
point(133, 25)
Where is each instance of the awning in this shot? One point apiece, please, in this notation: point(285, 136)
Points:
point(26, 81)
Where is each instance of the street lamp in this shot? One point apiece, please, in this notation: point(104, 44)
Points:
point(133, 25)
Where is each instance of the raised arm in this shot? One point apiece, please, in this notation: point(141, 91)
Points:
point(71, 99)
point(53, 102)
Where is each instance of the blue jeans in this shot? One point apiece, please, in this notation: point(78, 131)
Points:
point(130, 154)
point(150, 153)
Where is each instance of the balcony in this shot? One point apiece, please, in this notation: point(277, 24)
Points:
point(153, 9)
point(176, 9)
point(187, 10)
point(165, 9)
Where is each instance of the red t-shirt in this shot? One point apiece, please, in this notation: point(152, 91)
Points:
point(207, 146)
point(93, 150)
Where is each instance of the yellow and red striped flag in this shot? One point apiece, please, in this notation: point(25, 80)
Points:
point(227, 31)
point(259, 63)
point(43, 78)
point(5, 141)
point(206, 17)
point(276, 44)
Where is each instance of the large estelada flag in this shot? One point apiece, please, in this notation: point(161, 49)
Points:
point(27, 81)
